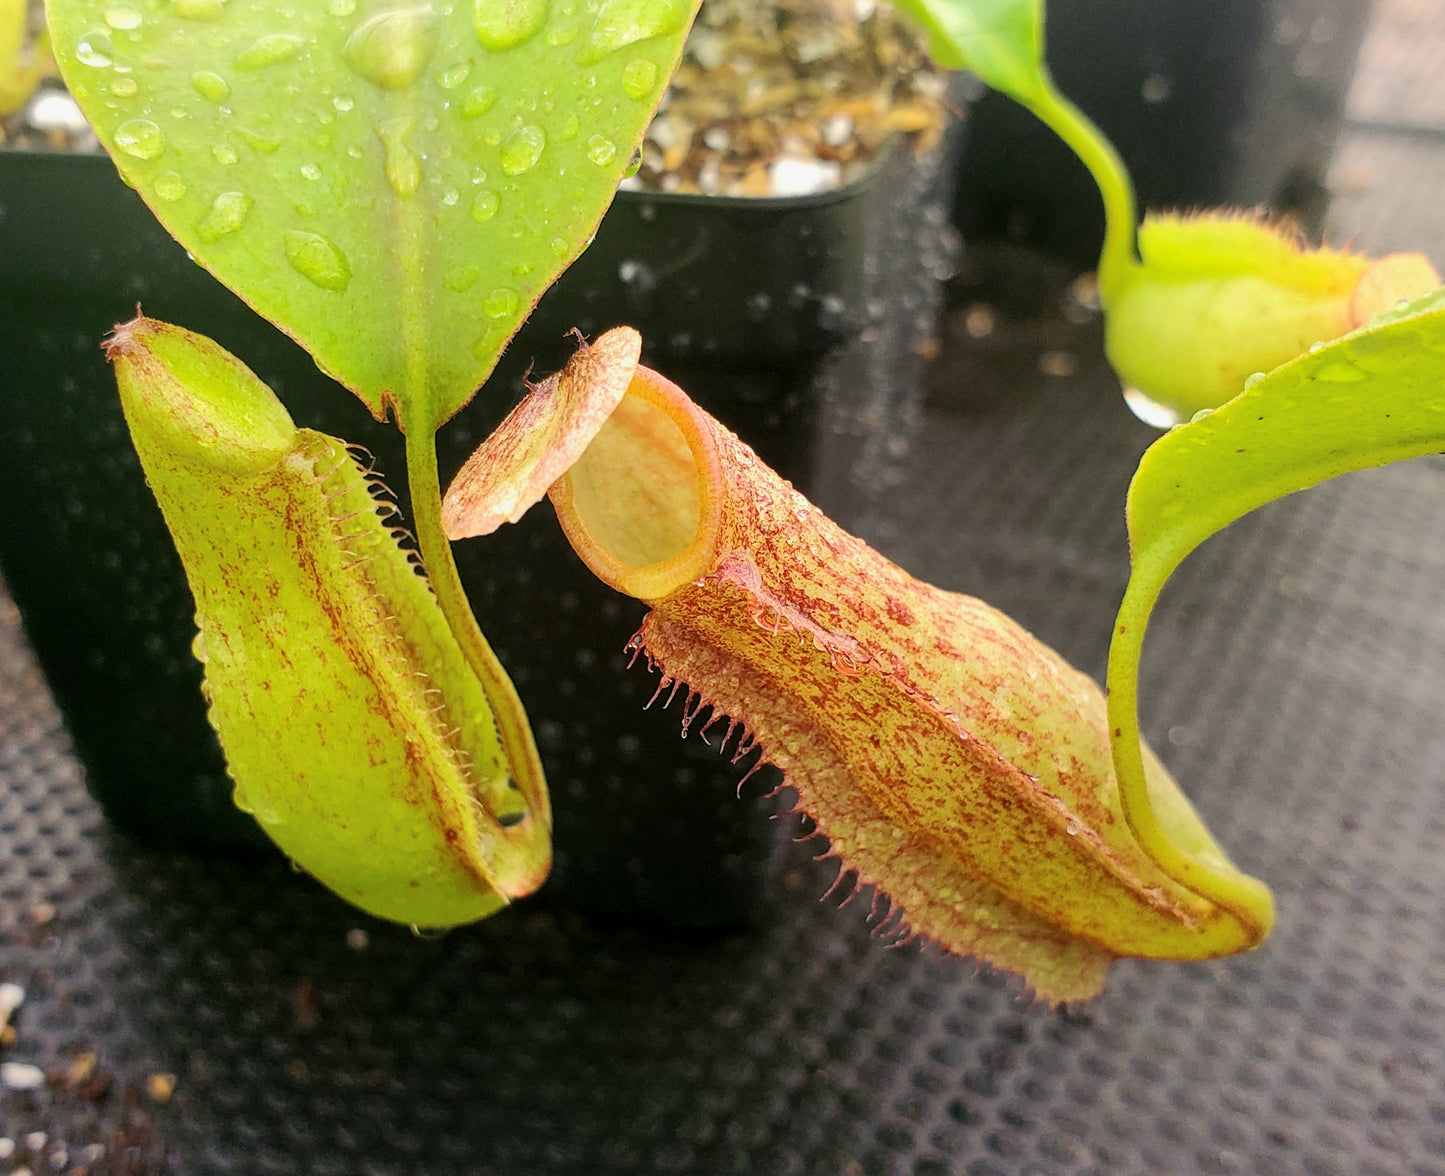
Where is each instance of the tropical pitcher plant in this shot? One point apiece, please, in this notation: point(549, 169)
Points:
point(395, 185)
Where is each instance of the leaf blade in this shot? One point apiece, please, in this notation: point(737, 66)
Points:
point(1001, 41)
point(1371, 397)
point(434, 174)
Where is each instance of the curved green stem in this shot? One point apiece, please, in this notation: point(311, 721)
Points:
point(436, 554)
point(1247, 900)
point(1089, 143)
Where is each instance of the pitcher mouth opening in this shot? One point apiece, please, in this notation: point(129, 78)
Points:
point(642, 504)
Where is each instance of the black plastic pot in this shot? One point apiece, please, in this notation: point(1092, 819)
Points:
point(1208, 101)
point(797, 321)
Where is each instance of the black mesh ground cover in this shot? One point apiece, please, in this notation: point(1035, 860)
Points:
point(1293, 681)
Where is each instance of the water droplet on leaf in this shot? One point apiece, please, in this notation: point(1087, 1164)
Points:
point(485, 204)
point(522, 148)
point(638, 78)
point(317, 260)
point(170, 186)
point(392, 49)
point(265, 144)
point(224, 153)
point(478, 102)
point(501, 303)
point(140, 138)
point(210, 86)
point(562, 34)
point(454, 75)
point(504, 24)
point(1341, 372)
point(123, 17)
point(461, 280)
point(601, 150)
point(621, 23)
point(124, 87)
point(271, 50)
point(95, 49)
point(403, 168)
point(227, 214)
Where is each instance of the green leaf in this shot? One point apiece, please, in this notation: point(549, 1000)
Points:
point(1369, 398)
point(1002, 41)
point(354, 730)
point(393, 184)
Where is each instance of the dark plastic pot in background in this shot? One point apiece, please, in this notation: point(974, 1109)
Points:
point(798, 322)
point(1208, 101)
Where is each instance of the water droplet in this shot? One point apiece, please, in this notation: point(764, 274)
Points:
point(341, 7)
point(1252, 380)
point(95, 49)
point(638, 78)
point(170, 186)
point(310, 171)
point(124, 87)
point(1201, 415)
point(1149, 410)
point(522, 148)
point(317, 260)
point(1072, 828)
point(601, 150)
point(504, 24)
point(403, 168)
point(392, 49)
point(1340, 372)
point(485, 204)
point(501, 303)
point(265, 144)
point(561, 246)
point(271, 50)
point(621, 23)
point(123, 17)
point(227, 214)
point(140, 138)
point(562, 34)
point(210, 86)
point(461, 280)
point(478, 102)
point(450, 196)
point(454, 75)
point(224, 153)
point(199, 9)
